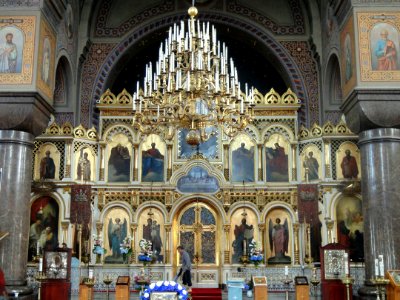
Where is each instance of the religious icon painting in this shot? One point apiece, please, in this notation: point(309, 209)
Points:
point(243, 232)
point(151, 228)
point(45, 70)
point(85, 164)
point(242, 157)
point(47, 163)
point(17, 40)
point(198, 181)
point(379, 44)
point(276, 157)
point(116, 229)
point(348, 59)
point(279, 239)
point(153, 159)
point(311, 165)
point(208, 148)
point(44, 221)
point(119, 159)
point(350, 226)
point(348, 162)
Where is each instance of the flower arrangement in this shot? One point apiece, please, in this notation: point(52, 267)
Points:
point(256, 256)
point(146, 254)
point(126, 246)
point(98, 245)
point(165, 286)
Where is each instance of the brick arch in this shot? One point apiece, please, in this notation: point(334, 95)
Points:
point(278, 52)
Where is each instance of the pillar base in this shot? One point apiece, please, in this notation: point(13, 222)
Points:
point(367, 292)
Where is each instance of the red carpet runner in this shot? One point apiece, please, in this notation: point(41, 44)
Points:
point(210, 294)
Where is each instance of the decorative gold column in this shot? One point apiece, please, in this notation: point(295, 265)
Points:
point(80, 241)
point(99, 228)
point(67, 171)
point(64, 226)
point(260, 162)
point(261, 228)
point(134, 230)
point(294, 167)
point(167, 258)
point(296, 243)
point(102, 161)
point(308, 246)
point(227, 251)
point(327, 152)
point(226, 161)
point(329, 225)
point(135, 156)
point(169, 169)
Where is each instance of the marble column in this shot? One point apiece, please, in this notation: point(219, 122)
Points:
point(380, 158)
point(16, 176)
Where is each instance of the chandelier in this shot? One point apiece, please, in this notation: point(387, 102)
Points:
point(192, 86)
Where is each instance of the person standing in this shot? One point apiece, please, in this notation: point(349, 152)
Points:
point(186, 267)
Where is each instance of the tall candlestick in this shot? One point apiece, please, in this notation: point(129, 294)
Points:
point(376, 267)
point(244, 247)
point(381, 268)
point(286, 270)
point(37, 248)
point(90, 274)
point(41, 264)
point(346, 263)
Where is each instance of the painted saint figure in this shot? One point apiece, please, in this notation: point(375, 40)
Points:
point(8, 55)
point(311, 165)
point(243, 164)
point(277, 164)
point(279, 241)
point(47, 167)
point(83, 167)
point(349, 166)
point(116, 233)
point(152, 164)
point(119, 164)
point(386, 53)
point(244, 234)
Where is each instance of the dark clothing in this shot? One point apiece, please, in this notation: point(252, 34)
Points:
point(187, 278)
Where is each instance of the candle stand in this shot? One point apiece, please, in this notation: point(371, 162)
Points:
point(90, 283)
point(380, 283)
point(107, 281)
point(315, 282)
point(287, 281)
point(40, 276)
point(347, 281)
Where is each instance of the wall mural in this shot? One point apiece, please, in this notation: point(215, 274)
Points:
point(242, 159)
point(276, 157)
point(197, 181)
point(350, 226)
point(153, 152)
point(43, 233)
point(17, 36)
